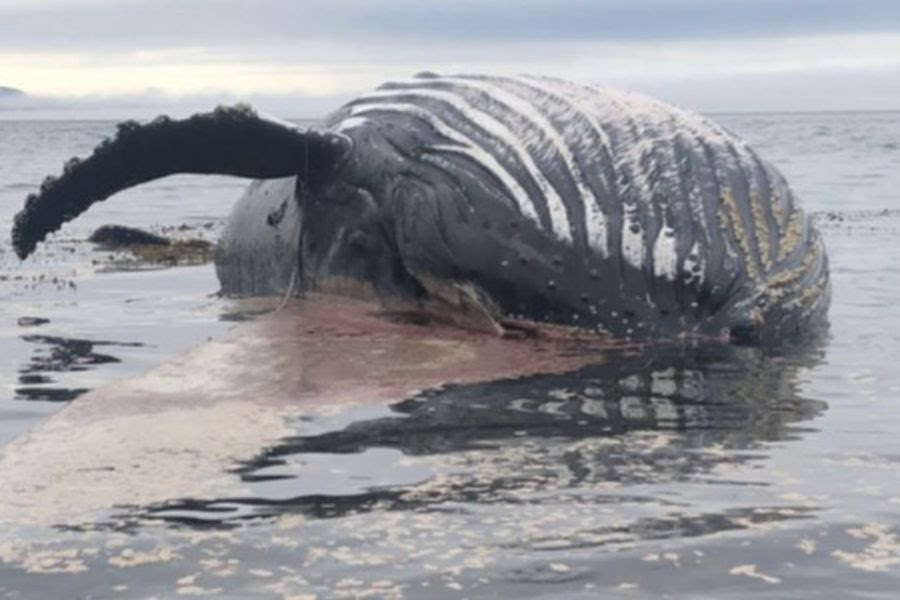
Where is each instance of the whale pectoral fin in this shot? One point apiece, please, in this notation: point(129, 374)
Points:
point(228, 141)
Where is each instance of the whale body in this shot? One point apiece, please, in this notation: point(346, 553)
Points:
point(523, 201)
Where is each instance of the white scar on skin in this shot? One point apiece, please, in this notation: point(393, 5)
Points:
point(665, 256)
point(465, 147)
point(484, 120)
point(351, 123)
point(596, 221)
point(594, 217)
point(633, 248)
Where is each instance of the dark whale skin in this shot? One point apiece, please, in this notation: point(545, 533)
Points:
point(543, 201)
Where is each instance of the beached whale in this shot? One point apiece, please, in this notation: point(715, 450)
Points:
point(517, 202)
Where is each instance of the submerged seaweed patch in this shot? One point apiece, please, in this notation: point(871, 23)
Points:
point(177, 253)
point(138, 246)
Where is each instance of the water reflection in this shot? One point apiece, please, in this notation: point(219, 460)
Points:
point(59, 355)
point(669, 415)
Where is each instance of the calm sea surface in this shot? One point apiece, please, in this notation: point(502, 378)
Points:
point(710, 474)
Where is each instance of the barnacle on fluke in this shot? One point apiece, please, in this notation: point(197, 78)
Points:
point(516, 202)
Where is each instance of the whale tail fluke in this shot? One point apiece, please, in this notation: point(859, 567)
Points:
point(228, 141)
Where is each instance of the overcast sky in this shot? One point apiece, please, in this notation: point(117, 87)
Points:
point(303, 57)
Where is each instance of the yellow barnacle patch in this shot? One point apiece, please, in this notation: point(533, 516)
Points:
point(793, 234)
point(761, 227)
point(785, 283)
point(811, 294)
point(730, 222)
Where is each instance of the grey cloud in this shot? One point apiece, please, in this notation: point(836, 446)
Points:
point(143, 24)
point(814, 89)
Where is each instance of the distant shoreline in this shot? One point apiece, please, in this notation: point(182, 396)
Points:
point(33, 114)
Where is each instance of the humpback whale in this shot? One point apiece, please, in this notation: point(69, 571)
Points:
point(523, 203)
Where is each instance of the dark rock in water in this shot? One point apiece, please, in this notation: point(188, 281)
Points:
point(119, 235)
point(32, 321)
point(152, 249)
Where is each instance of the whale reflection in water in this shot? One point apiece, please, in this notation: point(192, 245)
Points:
point(653, 418)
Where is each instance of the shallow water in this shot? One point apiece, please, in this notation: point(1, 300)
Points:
point(714, 473)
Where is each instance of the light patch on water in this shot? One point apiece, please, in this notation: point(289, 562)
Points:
point(129, 557)
point(807, 546)
point(881, 553)
point(196, 590)
point(752, 572)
